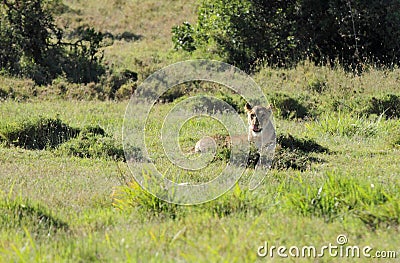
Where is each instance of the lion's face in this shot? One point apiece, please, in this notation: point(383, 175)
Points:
point(258, 117)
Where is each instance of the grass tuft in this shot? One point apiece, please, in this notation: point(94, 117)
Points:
point(288, 107)
point(93, 143)
point(388, 105)
point(15, 214)
point(38, 133)
point(341, 124)
point(338, 197)
point(132, 195)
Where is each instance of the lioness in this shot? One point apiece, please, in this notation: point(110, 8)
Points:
point(261, 133)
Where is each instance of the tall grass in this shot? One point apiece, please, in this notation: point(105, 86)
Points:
point(341, 196)
point(344, 124)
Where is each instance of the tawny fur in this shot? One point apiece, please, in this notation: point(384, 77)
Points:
point(260, 131)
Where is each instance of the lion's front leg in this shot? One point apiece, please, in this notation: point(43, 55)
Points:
point(264, 163)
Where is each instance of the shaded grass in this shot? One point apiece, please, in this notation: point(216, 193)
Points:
point(78, 114)
point(387, 105)
point(38, 220)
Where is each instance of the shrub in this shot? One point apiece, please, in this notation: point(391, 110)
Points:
point(174, 93)
point(294, 153)
point(388, 105)
point(92, 131)
point(290, 153)
point(32, 45)
point(3, 94)
point(285, 159)
point(93, 144)
point(236, 101)
point(288, 107)
point(38, 133)
point(285, 32)
point(114, 81)
point(125, 91)
point(183, 37)
point(287, 141)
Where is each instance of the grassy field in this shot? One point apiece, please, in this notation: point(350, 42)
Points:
point(77, 201)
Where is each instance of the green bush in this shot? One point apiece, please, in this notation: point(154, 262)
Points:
point(388, 105)
point(183, 37)
point(290, 153)
point(287, 141)
point(288, 107)
point(32, 45)
point(88, 131)
point(114, 81)
point(294, 159)
point(285, 32)
point(294, 153)
point(236, 101)
point(38, 133)
point(93, 145)
point(3, 94)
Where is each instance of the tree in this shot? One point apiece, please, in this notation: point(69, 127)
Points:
point(33, 46)
point(283, 32)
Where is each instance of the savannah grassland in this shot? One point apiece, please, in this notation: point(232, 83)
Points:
point(59, 207)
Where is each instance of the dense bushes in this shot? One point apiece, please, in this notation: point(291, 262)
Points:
point(284, 32)
point(32, 45)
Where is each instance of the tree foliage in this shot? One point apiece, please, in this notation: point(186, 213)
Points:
point(32, 45)
point(283, 32)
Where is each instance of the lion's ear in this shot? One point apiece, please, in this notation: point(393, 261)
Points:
point(247, 107)
point(270, 106)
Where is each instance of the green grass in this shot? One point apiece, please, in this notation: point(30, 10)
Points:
point(109, 219)
point(71, 203)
